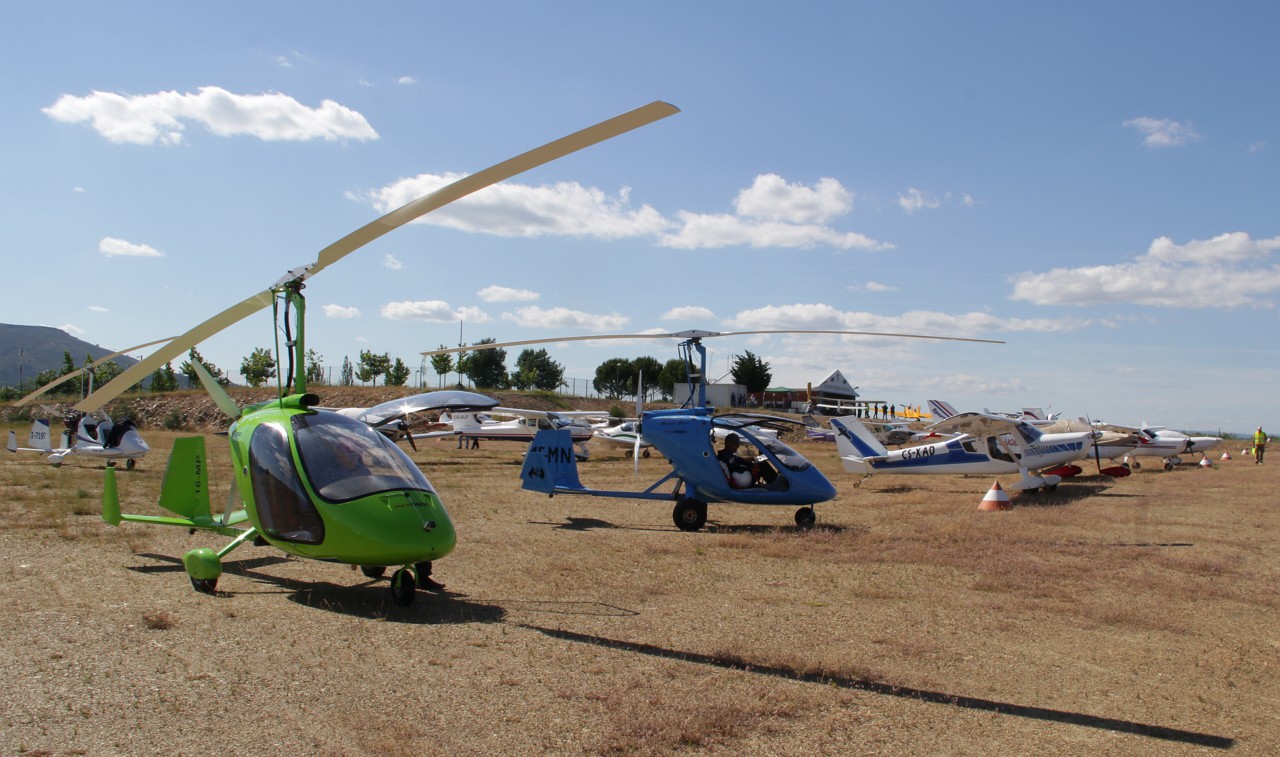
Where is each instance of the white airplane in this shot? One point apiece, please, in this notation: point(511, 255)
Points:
point(96, 437)
point(888, 432)
point(1165, 443)
point(392, 418)
point(624, 435)
point(476, 426)
point(987, 444)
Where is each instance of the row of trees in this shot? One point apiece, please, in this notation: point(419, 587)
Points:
point(485, 368)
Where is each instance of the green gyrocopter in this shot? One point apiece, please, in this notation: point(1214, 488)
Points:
point(312, 482)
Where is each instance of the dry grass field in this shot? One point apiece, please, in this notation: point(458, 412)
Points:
point(1136, 616)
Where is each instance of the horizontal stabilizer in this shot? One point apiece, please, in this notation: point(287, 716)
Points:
point(550, 464)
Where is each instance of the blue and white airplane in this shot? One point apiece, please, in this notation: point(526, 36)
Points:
point(986, 444)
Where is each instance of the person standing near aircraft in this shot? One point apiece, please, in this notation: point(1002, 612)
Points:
point(1259, 445)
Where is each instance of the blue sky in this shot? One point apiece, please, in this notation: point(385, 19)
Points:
point(1094, 183)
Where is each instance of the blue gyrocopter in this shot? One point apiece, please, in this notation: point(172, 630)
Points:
point(775, 475)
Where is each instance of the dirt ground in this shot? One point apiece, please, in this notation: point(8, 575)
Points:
point(1130, 616)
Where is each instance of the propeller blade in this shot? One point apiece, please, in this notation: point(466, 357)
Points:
point(220, 397)
point(635, 453)
point(73, 374)
point(395, 219)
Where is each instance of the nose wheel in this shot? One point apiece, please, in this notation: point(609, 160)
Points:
point(404, 586)
point(806, 517)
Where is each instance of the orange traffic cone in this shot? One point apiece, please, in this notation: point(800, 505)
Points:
point(1204, 463)
point(1226, 456)
point(996, 499)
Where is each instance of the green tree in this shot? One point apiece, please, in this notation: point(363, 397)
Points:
point(259, 367)
point(672, 373)
point(752, 372)
point(164, 379)
point(487, 369)
point(188, 369)
point(648, 369)
point(398, 373)
point(442, 364)
point(347, 376)
point(536, 370)
point(372, 366)
point(315, 368)
point(615, 378)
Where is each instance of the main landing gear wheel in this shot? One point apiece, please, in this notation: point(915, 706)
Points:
point(645, 454)
point(690, 514)
point(404, 585)
point(205, 585)
point(130, 463)
point(806, 517)
point(373, 571)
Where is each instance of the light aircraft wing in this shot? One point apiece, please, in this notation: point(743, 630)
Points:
point(402, 408)
point(978, 424)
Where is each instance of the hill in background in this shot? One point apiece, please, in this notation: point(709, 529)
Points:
point(40, 348)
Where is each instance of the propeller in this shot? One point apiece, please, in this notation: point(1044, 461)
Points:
point(360, 237)
point(635, 453)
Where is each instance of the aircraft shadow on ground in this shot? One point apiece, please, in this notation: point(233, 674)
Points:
point(364, 599)
point(1065, 717)
point(592, 524)
point(712, 527)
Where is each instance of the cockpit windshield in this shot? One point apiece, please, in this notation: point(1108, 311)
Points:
point(345, 459)
point(788, 457)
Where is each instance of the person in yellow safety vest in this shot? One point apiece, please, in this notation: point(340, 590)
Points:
point(1259, 446)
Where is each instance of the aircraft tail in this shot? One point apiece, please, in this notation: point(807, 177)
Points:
point(941, 410)
point(41, 437)
point(185, 490)
point(855, 440)
point(550, 463)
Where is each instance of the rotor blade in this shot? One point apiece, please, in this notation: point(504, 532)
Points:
point(532, 159)
point(94, 364)
point(371, 231)
point(178, 345)
point(699, 335)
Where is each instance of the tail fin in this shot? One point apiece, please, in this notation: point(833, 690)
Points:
point(550, 463)
point(186, 484)
point(854, 439)
point(40, 437)
point(941, 410)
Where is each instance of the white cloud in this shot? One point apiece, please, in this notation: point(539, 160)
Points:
point(771, 198)
point(112, 247)
point(822, 317)
point(519, 210)
point(875, 286)
point(406, 80)
point(1230, 270)
point(914, 200)
point(392, 262)
point(147, 119)
point(688, 313)
point(72, 329)
point(563, 318)
point(1162, 132)
point(338, 311)
point(98, 309)
point(432, 311)
point(771, 214)
point(497, 293)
